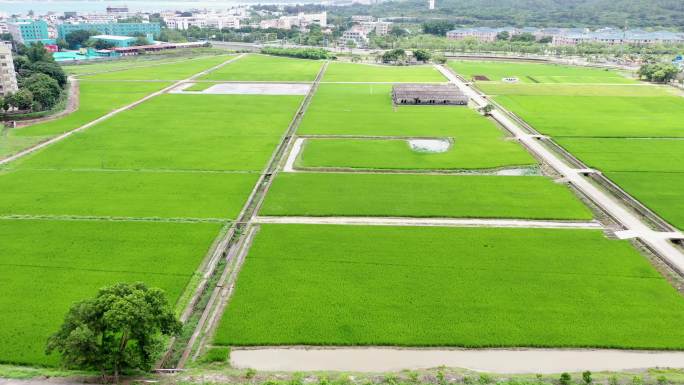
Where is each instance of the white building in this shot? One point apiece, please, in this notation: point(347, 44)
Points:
point(8, 78)
point(302, 20)
point(480, 34)
point(217, 21)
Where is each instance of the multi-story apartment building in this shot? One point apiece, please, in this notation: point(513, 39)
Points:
point(480, 34)
point(29, 31)
point(8, 78)
point(202, 21)
point(302, 20)
point(118, 29)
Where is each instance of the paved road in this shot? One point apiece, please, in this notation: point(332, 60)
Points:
point(444, 222)
point(658, 241)
point(486, 360)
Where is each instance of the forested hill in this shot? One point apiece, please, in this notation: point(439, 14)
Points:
point(544, 13)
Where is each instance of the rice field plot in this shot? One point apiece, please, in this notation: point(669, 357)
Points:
point(537, 72)
point(268, 68)
point(367, 110)
point(96, 99)
point(175, 70)
point(179, 132)
point(659, 191)
point(600, 116)
point(546, 89)
point(45, 266)
point(395, 154)
point(352, 72)
point(124, 193)
point(650, 169)
point(628, 154)
point(464, 287)
point(149, 60)
point(406, 195)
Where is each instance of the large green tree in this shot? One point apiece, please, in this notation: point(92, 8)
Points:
point(658, 72)
point(438, 27)
point(118, 330)
point(45, 90)
point(77, 38)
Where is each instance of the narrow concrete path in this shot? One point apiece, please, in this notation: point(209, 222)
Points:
point(440, 222)
point(504, 361)
point(654, 239)
point(67, 134)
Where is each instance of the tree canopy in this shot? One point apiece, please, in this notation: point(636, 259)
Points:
point(117, 331)
point(658, 72)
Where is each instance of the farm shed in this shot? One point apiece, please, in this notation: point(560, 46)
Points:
point(428, 94)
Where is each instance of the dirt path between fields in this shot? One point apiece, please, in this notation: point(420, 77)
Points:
point(67, 134)
point(73, 97)
point(441, 222)
point(503, 361)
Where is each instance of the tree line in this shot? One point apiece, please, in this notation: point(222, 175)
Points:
point(41, 81)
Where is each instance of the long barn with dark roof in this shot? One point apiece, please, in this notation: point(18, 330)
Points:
point(431, 94)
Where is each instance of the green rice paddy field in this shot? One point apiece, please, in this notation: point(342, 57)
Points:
point(151, 60)
point(600, 116)
point(546, 89)
point(470, 287)
point(179, 132)
point(537, 72)
point(176, 70)
point(367, 110)
point(349, 72)
point(96, 99)
point(177, 158)
point(268, 68)
point(45, 266)
point(399, 195)
point(631, 132)
point(465, 153)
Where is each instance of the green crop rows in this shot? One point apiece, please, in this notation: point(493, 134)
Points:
point(387, 195)
point(125, 200)
point(631, 132)
point(268, 68)
point(449, 287)
point(366, 110)
point(536, 73)
point(465, 153)
point(347, 72)
point(177, 70)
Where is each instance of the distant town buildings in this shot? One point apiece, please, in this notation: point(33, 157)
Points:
point(301, 20)
point(116, 41)
point(202, 21)
point(29, 31)
point(566, 37)
point(8, 78)
point(361, 29)
point(118, 29)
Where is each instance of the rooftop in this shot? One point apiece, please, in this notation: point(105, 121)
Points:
point(113, 37)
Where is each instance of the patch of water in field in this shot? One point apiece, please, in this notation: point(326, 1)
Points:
point(429, 145)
